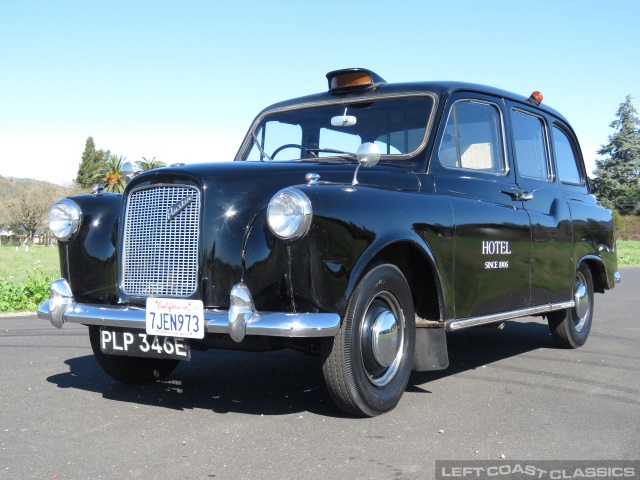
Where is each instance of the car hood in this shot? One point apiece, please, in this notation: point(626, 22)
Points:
point(235, 194)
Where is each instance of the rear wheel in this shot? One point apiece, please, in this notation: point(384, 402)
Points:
point(570, 328)
point(130, 369)
point(367, 365)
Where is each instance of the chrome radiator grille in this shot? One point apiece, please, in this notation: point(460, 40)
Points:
point(160, 244)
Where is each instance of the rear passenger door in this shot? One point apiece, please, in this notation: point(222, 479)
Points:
point(552, 265)
point(470, 165)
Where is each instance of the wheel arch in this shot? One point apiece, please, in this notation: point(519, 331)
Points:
point(598, 272)
point(417, 263)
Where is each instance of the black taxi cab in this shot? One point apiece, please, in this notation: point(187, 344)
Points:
point(361, 224)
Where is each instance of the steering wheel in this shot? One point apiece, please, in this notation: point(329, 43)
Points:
point(287, 145)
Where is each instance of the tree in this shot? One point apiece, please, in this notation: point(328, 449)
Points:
point(110, 174)
point(29, 209)
point(146, 164)
point(91, 161)
point(618, 174)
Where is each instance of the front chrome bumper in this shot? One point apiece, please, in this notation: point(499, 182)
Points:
point(240, 320)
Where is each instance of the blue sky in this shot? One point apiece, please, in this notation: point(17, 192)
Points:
point(181, 81)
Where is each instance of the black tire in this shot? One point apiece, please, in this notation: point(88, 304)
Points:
point(570, 328)
point(367, 365)
point(134, 370)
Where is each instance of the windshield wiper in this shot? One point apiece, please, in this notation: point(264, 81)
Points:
point(330, 150)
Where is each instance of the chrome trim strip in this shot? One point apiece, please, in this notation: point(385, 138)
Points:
point(453, 325)
point(276, 324)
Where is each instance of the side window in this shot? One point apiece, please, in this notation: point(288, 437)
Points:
point(565, 158)
point(473, 138)
point(529, 141)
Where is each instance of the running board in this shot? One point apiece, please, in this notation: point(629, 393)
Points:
point(453, 325)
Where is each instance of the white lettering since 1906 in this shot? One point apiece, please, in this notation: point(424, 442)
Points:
point(496, 247)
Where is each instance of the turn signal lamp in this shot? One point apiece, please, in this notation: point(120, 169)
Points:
point(352, 78)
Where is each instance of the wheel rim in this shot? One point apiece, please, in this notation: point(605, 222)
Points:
point(582, 302)
point(382, 338)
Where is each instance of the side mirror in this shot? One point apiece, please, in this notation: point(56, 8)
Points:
point(127, 171)
point(368, 155)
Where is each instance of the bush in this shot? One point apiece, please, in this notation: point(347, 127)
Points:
point(627, 227)
point(25, 296)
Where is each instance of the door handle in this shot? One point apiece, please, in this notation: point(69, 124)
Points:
point(520, 195)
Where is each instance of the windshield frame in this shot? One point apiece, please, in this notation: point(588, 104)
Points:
point(248, 141)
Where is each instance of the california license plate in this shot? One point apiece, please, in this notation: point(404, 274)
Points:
point(136, 343)
point(171, 317)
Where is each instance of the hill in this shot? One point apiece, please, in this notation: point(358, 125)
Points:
point(11, 188)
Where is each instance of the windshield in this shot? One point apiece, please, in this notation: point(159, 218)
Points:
point(397, 126)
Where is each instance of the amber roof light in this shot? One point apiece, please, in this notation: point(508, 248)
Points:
point(535, 98)
point(349, 78)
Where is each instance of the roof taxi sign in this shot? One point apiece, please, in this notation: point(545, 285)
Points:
point(349, 79)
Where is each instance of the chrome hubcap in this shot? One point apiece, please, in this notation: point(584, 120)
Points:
point(385, 338)
point(581, 298)
point(382, 338)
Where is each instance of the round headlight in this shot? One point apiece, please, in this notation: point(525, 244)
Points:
point(64, 219)
point(289, 214)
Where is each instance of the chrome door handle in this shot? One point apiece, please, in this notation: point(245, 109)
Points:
point(520, 195)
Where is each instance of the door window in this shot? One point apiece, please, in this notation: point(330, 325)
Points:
point(530, 146)
point(472, 138)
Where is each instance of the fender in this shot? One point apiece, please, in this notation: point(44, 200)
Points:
point(352, 226)
point(88, 259)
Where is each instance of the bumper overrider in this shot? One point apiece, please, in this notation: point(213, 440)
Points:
point(241, 319)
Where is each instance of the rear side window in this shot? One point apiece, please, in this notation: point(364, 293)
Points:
point(529, 141)
point(472, 138)
point(566, 161)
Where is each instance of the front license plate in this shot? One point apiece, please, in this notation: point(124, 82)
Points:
point(132, 343)
point(170, 317)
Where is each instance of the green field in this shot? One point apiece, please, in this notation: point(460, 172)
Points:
point(16, 266)
point(628, 253)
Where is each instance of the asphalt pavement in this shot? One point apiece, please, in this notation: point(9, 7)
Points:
point(507, 394)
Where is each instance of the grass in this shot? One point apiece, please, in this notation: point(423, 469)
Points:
point(16, 266)
point(628, 253)
point(25, 275)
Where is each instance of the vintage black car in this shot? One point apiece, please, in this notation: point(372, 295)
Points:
point(360, 225)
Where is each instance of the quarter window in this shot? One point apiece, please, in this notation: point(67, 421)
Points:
point(565, 158)
point(472, 138)
point(530, 145)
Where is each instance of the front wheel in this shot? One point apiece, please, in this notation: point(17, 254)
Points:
point(130, 369)
point(367, 364)
point(570, 328)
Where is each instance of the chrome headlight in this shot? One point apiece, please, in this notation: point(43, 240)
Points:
point(289, 214)
point(64, 218)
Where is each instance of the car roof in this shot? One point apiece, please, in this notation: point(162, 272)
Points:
point(438, 88)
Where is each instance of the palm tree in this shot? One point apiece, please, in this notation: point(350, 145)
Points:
point(146, 164)
point(110, 174)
